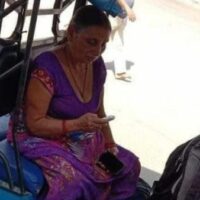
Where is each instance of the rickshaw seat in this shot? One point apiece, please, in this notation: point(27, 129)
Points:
point(4, 126)
point(32, 174)
point(33, 178)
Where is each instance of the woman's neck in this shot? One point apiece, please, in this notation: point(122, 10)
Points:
point(73, 59)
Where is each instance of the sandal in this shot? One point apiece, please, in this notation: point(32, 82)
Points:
point(123, 76)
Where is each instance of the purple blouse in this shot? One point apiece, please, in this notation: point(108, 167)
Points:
point(65, 103)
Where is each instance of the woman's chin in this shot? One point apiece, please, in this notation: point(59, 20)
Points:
point(91, 59)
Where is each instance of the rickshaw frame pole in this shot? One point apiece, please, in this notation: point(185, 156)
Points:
point(78, 4)
point(21, 91)
point(2, 4)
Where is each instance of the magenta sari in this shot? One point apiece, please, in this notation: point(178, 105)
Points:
point(69, 167)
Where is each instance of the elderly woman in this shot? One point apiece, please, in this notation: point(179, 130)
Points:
point(64, 131)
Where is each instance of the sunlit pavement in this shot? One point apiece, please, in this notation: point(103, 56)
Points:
point(160, 108)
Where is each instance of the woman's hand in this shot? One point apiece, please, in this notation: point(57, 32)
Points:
point(114, 150)
point(90, 122)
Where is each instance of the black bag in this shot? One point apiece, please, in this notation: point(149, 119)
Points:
point(181, 177)
point(143, 190)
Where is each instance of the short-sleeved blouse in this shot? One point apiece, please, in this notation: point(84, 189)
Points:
point(64, 102)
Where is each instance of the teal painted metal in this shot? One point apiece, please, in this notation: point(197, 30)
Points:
point(6, 194)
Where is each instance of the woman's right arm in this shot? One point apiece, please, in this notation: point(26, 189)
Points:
point(36, 106)
point(40, 124)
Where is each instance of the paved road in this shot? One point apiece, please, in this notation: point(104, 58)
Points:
point(160, 108)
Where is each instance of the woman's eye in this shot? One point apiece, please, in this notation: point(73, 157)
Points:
point(92, 42)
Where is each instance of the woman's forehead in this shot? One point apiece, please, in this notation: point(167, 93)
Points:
point(97, 31)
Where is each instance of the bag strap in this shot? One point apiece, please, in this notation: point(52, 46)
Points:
point(189, 146)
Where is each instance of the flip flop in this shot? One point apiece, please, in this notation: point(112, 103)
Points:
point(123, 76)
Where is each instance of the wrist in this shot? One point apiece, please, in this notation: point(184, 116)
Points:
point(109, 145)
point(69, 125)
point(76, 125)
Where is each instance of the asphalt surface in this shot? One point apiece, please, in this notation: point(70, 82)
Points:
point(160, 108)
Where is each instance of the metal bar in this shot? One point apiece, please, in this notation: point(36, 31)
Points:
point(20, 95)
point(51, 11)
point(78, 4)
point(11, 2)
point(56, 19)
point(12, 7)
point(20, 24)
point(16, 35)
point(9, 71)
point(2, 4)
point(66, 4)
point(7, 169)
point(44, 12)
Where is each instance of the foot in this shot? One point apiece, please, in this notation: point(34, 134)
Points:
point(123, 76)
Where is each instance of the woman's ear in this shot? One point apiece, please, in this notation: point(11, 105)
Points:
point(70, 32)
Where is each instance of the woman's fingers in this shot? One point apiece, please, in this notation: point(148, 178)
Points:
point(113, 150)
point(91, 122)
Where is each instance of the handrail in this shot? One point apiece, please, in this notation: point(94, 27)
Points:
point(2, 4)
point(16, 35)
point(11, 2)
point(12, 7)
point(62, 5)
point(59, 7)
point(56, 19)
point(20, 95)
point(12, 69)
point(50, 11)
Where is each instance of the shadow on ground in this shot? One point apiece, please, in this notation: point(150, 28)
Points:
point(149, 175)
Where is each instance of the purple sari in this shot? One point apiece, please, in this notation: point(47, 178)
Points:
point(69, 166)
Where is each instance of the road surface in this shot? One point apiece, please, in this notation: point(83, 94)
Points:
point(160, 108)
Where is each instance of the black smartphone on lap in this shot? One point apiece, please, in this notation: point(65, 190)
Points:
point(109, 162)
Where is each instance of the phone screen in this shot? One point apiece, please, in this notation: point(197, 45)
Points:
point(110, 162)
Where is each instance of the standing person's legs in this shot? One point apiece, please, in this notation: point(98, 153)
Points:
point(117, 37)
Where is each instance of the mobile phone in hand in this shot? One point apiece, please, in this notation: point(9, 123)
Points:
point(109, 118)
point(110, 163)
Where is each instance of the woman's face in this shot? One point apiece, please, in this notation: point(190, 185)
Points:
point(88, 44)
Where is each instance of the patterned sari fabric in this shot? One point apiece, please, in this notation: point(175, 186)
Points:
point(69, 164)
